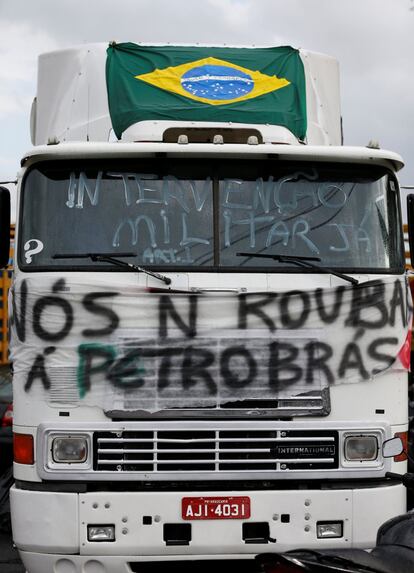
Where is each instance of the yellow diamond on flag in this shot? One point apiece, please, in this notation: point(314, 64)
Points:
point(213, 81)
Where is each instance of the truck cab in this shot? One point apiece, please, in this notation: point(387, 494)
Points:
point(210, 331)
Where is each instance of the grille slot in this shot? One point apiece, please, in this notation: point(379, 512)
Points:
point(217, 451)
point(63, 386)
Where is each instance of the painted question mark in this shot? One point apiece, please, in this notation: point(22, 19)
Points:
point(38, 248)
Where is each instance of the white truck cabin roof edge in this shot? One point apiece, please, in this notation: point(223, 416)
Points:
point(320, 153)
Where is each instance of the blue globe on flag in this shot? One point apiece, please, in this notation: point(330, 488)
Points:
point(217, 82)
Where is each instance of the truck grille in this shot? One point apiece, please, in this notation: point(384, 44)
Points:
point(217, 451)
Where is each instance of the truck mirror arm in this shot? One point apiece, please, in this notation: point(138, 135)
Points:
point(406, 479)
point(4, 226)
point(410, 217)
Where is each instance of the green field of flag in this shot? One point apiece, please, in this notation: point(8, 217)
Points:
point(241, 85)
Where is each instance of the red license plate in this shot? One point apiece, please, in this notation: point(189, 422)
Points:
point(215, 507)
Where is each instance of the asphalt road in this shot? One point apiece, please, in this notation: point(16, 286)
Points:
point(9, 558)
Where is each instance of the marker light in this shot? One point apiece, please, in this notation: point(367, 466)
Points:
point(361, 448)
point(7, 419)
point(101, 532)
point(23, 449)
point(329, 529)
point(404, 439)
point(67, 450)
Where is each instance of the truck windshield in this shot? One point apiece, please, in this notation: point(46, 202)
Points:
point(193, 214)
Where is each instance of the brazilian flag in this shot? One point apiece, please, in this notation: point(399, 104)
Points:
point(189, 83)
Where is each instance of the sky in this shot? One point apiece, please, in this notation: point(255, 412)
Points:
point(372, 39)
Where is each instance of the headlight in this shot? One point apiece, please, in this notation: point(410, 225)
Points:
point(361, 448)
point(67, 450)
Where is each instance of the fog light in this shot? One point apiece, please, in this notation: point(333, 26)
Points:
point(361, 448)
point(70, 450)
point(101, 532)
point(329, 529)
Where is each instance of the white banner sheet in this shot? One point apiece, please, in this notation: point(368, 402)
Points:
point(128, 348)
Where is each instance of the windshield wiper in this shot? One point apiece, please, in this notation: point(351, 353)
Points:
point(301, 262)
point(108, 258)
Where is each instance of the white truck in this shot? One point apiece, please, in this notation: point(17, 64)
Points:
point(210, 314)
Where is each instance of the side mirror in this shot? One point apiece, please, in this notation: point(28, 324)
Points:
point(5, 227)
point(392, 447)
